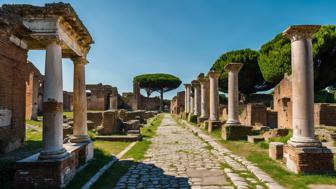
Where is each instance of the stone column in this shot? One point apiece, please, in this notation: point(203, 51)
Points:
point(197, 97)
point(233, 93)
point(214, 100)
point(187, 98)
point(302, 85)
point(304, 153)
point(191, 102)
point(79, 102)
point(52, 144)
point(204, 98)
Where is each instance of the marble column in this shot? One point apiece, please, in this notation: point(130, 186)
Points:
point(79, 102)
point(214, 100)
point(233, 93)
point(302, 85)
point(204, 97)
point(187, 98)
point(197, 97)
point(52, 144)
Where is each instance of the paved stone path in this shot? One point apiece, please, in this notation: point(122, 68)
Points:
point(177, 158)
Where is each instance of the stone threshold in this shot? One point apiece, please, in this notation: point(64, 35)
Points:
point(236, 162)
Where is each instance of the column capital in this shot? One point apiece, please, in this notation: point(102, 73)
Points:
point(298, 32)
point(214, 74)
point(186, 85)
point(195, 83)
point(80, 60)
point(233, 67)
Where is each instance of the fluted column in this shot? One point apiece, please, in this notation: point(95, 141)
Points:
point(79, 102)
point(197, 97)
point(233, 93)
point(187, 98)
point(52, 144)
point(204, 97)
point(302, 85)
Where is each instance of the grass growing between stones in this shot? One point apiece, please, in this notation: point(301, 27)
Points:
point(110, 178)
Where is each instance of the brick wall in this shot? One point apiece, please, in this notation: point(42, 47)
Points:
point(13, 66)
point(325, 114)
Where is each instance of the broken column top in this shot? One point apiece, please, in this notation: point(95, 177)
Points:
point(297, 32)
point(195, 83)
point(187, 84)
point(233, 67)
point(214, 74)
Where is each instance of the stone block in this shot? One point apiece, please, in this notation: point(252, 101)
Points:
point(34, 173)
point(193, 118)
point(255, 138)
point(132, 125)
point(235, 132)
point(275, 133)
point(201, 119)
point(96, 119)
point(309, 159)
point(111, 123)
point(275, 150)
point(213, 125)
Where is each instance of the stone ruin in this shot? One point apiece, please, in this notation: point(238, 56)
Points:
point(119, 125)
point(102, 97)
point(177, 103)
point(136, 101)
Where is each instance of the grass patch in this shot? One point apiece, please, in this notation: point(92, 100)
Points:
point(103, 151)
point(69, 115)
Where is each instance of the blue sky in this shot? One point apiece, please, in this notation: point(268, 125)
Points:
point(180, 37)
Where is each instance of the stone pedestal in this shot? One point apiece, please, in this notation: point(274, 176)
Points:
point(32, 172)
point(276, 150)
point(213, 125)
point(308, 159)
point(236, 132)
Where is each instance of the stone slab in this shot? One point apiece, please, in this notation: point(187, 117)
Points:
point(255, 139)
point(121, 138)
point(235, 132)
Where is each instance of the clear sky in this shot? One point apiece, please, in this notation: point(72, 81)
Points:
point(180, 37)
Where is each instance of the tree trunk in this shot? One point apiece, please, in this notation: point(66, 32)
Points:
point(161, 100)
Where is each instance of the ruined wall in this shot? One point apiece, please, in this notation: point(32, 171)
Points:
point(258, 114)
point(325, 114)
point(173, 105)
point(102, 97)
point(33, 81)
point(13, 69)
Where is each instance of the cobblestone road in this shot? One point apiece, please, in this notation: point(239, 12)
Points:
point(179, 158)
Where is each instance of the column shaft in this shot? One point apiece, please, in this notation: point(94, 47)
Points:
point(79, 102)
point(205, 99)
point(52, 145)
point(214, 99)
point(233, 101)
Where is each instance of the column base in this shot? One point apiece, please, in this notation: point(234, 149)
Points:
point(202, 119)
point(308, 159)
point(62, 153)
point(235, 131)
point(192, 118)
point(301, 142)
point(32, 172)
point(80, 138)
point(213, 124)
